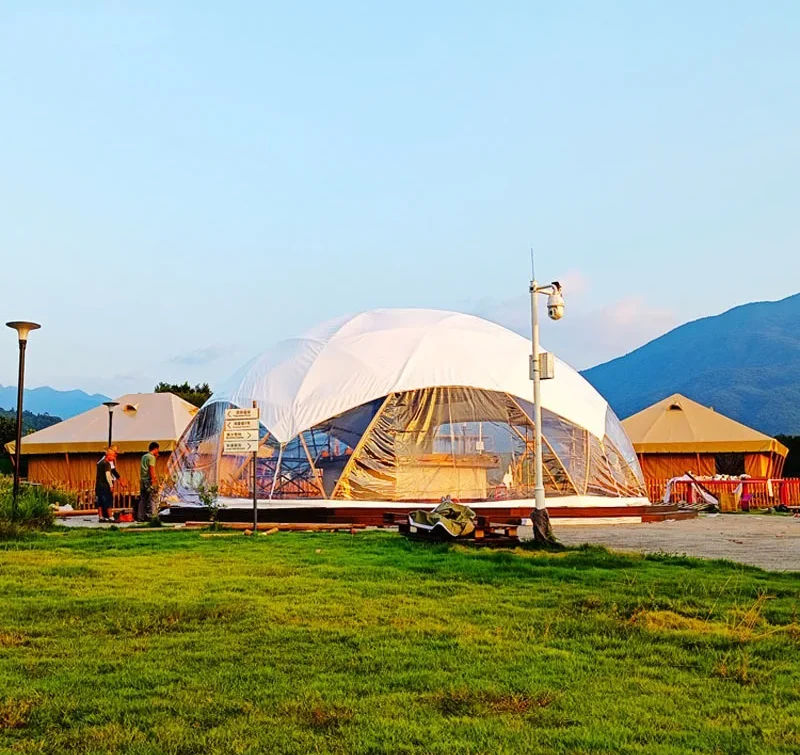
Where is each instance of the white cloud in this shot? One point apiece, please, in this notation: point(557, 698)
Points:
point(614, 330)
point(575, 282)
point(587, 335)
point(199, 357)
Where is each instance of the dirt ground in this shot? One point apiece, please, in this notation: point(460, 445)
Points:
point(769, 541)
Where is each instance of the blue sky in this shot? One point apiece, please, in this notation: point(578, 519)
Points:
point(182, 184)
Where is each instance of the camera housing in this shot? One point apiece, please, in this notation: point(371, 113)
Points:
point(555, 303)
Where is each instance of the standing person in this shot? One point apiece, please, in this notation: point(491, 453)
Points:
point(113, 464)
point(147, 483)
point(104, 485)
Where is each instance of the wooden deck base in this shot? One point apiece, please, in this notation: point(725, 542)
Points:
point(387, 516)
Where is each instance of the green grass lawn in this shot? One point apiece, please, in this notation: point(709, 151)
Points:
point(171, 642)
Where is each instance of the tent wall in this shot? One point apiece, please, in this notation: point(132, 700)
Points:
point(79, 470)
point(664, 466)
point(763, 465)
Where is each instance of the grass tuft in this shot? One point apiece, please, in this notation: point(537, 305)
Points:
point(520, 704)
point(13, 639)
point(15, 713)
point(155, 620)
point(735, 669)
point(468, 702)
point(321, 716)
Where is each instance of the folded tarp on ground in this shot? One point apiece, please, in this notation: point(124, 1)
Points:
point(448, 518)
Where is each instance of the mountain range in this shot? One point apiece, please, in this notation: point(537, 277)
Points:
point(46, 400)
point(745, 363)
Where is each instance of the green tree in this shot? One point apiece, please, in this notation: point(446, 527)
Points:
point(792, 442)
point(194, 394)
point(8, 432)
point(31, 422)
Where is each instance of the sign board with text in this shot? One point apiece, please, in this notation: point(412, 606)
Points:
point(241, 431)
point(241, 413)
point(240, 435)
point(240, 447)
point(241, 424)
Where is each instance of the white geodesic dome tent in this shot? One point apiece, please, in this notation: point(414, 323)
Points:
point(401, 405)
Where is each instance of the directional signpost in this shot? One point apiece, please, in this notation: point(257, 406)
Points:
point(241, 437)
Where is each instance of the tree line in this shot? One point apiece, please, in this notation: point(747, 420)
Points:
point(792, 466)
point(194, 394)
point(31, 422)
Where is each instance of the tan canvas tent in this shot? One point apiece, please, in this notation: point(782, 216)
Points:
point(66, 454)
point(678, 435)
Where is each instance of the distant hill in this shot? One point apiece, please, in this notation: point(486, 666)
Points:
point(47, 400)
point(745, 363)
point(30, 422)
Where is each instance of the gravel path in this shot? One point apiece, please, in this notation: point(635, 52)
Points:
point(769, 541)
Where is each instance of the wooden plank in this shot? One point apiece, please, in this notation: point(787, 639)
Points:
point(281, 527)
point(85, 512)
point(163, 528)
point(510, 522)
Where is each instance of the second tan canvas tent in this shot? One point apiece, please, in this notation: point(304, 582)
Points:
point(677, 435)
point(66, 454)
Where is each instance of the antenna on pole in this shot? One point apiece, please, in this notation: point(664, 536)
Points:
point(533, 266)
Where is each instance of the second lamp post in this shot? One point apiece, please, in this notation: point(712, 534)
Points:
point(110, 406)
point(23, 329)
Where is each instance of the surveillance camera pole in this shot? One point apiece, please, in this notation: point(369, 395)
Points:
point(542, 531)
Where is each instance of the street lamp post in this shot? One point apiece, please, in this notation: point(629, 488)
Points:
point(23, 329)
point(110, 406)
point(542, 531)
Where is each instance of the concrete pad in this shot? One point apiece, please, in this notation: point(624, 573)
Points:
point(770, 541)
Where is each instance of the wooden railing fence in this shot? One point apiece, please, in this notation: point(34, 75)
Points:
point(758, 493)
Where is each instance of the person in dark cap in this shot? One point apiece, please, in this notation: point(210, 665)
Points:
point(105, 480)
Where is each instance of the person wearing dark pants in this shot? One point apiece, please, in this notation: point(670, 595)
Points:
point(148, 484)
point(104, 484)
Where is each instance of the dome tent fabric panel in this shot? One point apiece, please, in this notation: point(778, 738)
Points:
point(419, 445)
point(474, 446)
point(199, 461)
point(351, 361)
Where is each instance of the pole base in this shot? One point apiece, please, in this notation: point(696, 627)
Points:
point(542, 531)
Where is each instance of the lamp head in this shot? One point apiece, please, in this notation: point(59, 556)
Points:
point(110, 405)
point(23, 328)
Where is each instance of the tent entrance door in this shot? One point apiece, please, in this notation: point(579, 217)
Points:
point(729, 464)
